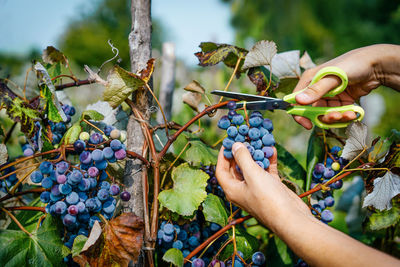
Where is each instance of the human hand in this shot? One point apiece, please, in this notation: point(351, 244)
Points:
point(260, 193)
point(363, 74)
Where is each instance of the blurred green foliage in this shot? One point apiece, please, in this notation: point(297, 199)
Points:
point(324, 28)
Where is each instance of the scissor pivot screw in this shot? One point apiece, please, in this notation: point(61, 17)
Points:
point(275, 105)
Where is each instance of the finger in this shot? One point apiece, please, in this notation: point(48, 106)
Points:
point(244, 160)
point(317, 90)
point(222, 163)
point(331, 117)
point(349, 115)
point(306, 123)
point(273, 167)
point(305, 79)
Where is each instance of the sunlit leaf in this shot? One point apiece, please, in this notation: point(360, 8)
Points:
point(356, 140)
point(103, 107)
point(384, 219)
point(79, 243)
point(48, 91)
point(120, 85)
point(42, 248)
point(92, 115)
point(286, 64)
point(306, 61)
point(3, 154)
point(260, 54)
point(186, 179)
point(52, 55)
point(72, 133)
point(174, 256)
point(214, 210)
point(385, 188)
point(290, 168)
point(212, 54)
point(200, 153)
point(245, 243)
point(195, 87)
point(192, 99)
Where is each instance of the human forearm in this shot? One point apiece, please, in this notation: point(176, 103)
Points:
point(387, 64)
point(321, 245)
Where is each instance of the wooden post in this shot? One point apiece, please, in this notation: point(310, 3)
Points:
point(167, 80)
point(140, 53)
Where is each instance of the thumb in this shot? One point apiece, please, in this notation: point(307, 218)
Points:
point(317, 90)
point(243, 159)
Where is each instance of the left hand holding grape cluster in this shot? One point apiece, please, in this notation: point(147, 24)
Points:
point(260, 193)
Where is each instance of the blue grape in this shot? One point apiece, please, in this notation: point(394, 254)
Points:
point(228, 154)
point(231, 113)
point(327, 216)
point(232, 131)
point(69, 219)
point(103, 194)
point(243, 129)
point(108, 207)
point(79, 146)
point(64, 189)
point(268, 151)
point(231, 105)
point(45, 197)
point(85, 157)
point(62, 167)
point(72, 198)
point(258, 258)
point(214, 227)
point(329, 173)
point(258, 155)
point(316, 208)
point(60, 127)
point(96, 138)
point(83, 231)
point(36, 177)
point(53, 176)
point(47, 183)
point(263, 131)
point(84, 217)
point(97, 155)
point(177, 244)
point(84, 185)
point(337, 184)
point(193, 241)
point(75, 177)
point(168, 229)
point(105, 185)
point(182, 235)
point(168, 238)
point(92, 220)
point(90, 204)
point(114, 189)
point(107, 130)
point(254, 134)
point(93, 182)
point(60, 207)
point(255, 114)
point(319, 168)
point(329, 201)
point(255, 121)
point(45, 167)
point(237, 119)
point(321, 203)
point(224, 123)
point(268, 140)
point(250, 148)
point(108, 152)
point(335, 149)
point(228, 143)
point(55, 190)
point(240, 138)
point(257, 144)
point(266, 163)
point(115, 144)
point(186, 252)
point(81, 206)
point(267, 124)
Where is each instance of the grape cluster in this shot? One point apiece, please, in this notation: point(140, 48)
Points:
point(256, 135)
point(7, 183)
point(323, 173)
point(78, 193)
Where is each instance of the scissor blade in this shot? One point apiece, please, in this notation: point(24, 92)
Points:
point(265, 105)
point(240, 96)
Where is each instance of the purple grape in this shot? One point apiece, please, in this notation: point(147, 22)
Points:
point(337, 185)
point(85, 157)
point(319, 168)
point(108, 152)
point(69, 219)
point(198, 263)
point(327, 216)
point(254, 134)
point(268, 151)
point(60, 207)
point(114, 189)
point(232, 131)
point(79, 146)
point(258, 258)
point(62, 167)
point(55, 190)
point(96, 138)
point(120, 154)
point(259, 163)
point(267, 124)
point(125, 196)
point(81, 207)
point(75, 177)
point(329, 173)
point(231, 105)
point(103, 194)
point(115, 144)
point(329, 201)
point(73, 210)
point(28, 152)
point(231, 113)
point(93, 171)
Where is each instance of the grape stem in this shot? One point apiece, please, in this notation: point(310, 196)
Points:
point(16, 221)
point(231, 78)
point(42, 209)
point(159, 105)
point(35, 190)
point(73, 84)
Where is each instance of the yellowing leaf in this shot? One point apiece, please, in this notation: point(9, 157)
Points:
point(120, 85)
point(212, 54)
point(385, 188)
point(356, 140)
point(260, 54)
point(192, 99)
point(188, 191)
point(195, 87)
point(145, 74)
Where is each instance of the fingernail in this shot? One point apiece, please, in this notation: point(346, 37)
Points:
point(236, 146)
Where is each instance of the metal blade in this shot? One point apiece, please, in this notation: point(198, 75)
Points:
point(240, 96)
point(265, 105)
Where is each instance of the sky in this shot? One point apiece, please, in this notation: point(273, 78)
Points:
point(27, 24)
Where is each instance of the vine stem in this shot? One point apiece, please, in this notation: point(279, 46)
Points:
point(35, 190)
point(20, 169)
point(173, 137)
point(21, 180)
point(42, 209)
point(15, 162)
point(231, 78)
point(172, 164)
point(94, 126)
point(216, 235)
point(159, 105)
point(65, 75)
point(73, 84)
point(16, 221)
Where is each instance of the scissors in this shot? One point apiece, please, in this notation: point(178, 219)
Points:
point(255, 102)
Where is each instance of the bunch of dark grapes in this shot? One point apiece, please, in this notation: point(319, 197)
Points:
point(78, 193)
point(58, 129)
point(323, 173)
point(256, 135)
point(7, 183)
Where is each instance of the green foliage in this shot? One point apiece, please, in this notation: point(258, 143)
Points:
point(42, 248)
point(315, 153)
point(72, 133)
point(79, 243)
point(199, 153)
point(28, 219)
point(186, 179)
point(245, 243)
point(214, 210)
point(174, 256)
point(289, 167)
point(383, 219)
point(92, 115)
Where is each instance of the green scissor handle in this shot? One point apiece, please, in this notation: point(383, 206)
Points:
point(291, 98)
point(313, 114)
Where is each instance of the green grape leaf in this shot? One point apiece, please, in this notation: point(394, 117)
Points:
point(245, 243)
point(120, 85)
point(260, 54)
point(315, 153)
point(283, 250)
point(384, 219)
point(212, 53)
point(188, 191)
point(174, 256)
point(92, 115)
point(53, 70)
point(42, 248)
point(72, 134)
point(214, 210)
point(259, 76)
point(200, 153)
point(28, 218)
point(79, 243)
point(289, 167)
point(48, 92)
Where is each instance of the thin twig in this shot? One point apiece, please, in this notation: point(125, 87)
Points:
point(16, 221)
point(231, 78)
point(73, 84)
point(25, 82)
point(94, 126)
point(42, 209)
point(159, 105)
point(34, 190)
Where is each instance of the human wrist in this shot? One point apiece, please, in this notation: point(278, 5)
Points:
point(386, 65)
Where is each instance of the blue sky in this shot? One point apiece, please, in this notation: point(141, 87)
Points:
point(27, 24)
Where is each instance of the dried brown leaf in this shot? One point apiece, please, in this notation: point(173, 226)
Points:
point(53, 55)
point(146, 73)
point(195, 87)
point(192, 99)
